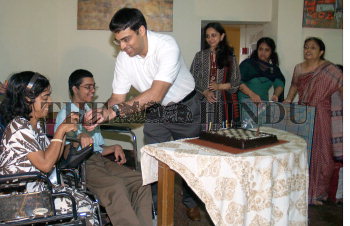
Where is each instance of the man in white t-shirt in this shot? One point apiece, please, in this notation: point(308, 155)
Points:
point(152, 63)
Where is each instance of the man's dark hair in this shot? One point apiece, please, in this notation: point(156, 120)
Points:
point(127, 18)
point(22, 89)
point(76, 78)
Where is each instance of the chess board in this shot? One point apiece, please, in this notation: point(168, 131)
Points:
point(238, 138)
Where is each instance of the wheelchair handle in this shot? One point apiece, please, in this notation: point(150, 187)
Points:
point(26, 177)
point(115, 128)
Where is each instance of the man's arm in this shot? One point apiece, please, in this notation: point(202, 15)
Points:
point(168, 69)
point(116, 99)
point(117, 151)
point(155, 94)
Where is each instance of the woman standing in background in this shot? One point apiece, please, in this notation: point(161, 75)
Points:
point(315, 80)
point(217, 78)
point(260, 72)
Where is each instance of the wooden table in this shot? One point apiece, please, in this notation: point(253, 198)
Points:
point(165, 195)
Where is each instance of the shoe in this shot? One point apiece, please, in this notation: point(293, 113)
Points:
point(194, 214)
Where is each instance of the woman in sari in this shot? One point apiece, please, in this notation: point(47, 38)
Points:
point(217, 77)
point(24, 145)
point(260, 72)
point(315, 80)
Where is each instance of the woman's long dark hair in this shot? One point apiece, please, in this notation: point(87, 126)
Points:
point(223, 50)
point(19, 98)
point(268, 41)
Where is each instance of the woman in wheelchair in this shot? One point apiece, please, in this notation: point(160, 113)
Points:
point(24, 146)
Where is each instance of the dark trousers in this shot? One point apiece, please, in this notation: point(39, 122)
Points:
point(177, 121)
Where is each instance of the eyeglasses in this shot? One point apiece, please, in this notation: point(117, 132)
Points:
point(125, 40)
point(89, 87)
point(212, 35)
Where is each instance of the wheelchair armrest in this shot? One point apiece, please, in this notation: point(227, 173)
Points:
point(124, 129)
point(75, 157)
point(26, 177)
point(115, 128)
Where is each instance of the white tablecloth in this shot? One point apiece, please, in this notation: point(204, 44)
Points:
point(264, 187)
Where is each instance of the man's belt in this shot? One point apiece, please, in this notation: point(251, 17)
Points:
point(188, 97)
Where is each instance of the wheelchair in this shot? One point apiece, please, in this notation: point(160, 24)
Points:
point(72, 176)
point(76, 176)
point(18, 207)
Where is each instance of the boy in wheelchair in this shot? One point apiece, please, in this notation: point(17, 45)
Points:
point(118, 188)
point(24, 146)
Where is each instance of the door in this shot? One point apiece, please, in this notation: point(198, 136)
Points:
point(233, 33)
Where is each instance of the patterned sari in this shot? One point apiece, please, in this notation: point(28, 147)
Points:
point(315, 88)
point(225, 111)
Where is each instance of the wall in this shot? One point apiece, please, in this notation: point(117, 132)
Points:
point(41, 35)
point(250, 34)
point(188, 15)
point(289, 36)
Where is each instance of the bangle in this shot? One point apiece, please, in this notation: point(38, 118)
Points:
point(57, 140)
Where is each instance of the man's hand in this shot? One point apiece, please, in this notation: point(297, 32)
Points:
point(96, 116)
point(85, 140)
point(118, 152)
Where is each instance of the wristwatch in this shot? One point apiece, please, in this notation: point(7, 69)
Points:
point(116, 109)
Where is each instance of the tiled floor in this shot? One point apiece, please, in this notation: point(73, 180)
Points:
point(327, 215)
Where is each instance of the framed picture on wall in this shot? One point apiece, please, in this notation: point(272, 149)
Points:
point(96, 14)
point(323, 14)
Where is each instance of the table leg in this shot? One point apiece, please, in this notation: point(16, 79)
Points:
point(166, 178)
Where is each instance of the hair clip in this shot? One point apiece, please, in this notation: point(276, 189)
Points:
point(32, 81)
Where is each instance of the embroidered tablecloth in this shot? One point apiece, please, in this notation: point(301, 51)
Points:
point(263, 187)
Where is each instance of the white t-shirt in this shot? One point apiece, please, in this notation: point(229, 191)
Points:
point(163, 62)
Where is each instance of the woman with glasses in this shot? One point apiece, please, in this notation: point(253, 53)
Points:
point(217, 77)
point(24, 145)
